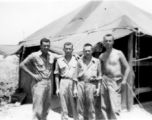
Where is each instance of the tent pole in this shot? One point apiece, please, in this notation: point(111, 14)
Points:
point(138, 49)
point(131, 76)
point(21, 59)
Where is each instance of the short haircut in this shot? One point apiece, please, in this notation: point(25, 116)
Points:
point(68, 43)
point(44, 40)
point(86, 45)
point(108, 35)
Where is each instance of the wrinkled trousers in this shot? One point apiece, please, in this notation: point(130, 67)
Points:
point(41, 93)
point(110, 97)
point(86, 98)
point(67, 100)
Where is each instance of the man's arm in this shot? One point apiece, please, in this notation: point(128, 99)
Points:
point(101, 63)
point(75, 80)
point(126, 66)
point(56, 72)
point(56, 56)
point(24, 67)
point(99, 78)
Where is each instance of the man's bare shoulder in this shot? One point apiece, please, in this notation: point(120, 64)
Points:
point(116, 50)
point(101, 56)
point(119, 52)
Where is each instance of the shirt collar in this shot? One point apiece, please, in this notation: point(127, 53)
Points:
point(40, 53)
point(65, 59)
point(84, 59)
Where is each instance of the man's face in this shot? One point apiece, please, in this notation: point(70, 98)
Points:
point(45, 47)
point(108, 42)
point(68, 49)
point(87, 51)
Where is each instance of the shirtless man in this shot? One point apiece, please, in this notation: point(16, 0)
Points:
point(112, 62)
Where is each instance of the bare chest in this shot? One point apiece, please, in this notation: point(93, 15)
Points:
point(110, 60)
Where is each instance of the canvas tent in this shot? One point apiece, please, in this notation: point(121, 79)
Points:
point(9, 49)
point(89, 23)
point(92, 21)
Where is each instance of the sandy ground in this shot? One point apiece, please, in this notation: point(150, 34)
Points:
point(24, 112)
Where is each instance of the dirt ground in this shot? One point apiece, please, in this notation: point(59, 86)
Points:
point(24, 112)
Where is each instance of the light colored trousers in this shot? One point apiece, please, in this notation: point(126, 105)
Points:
point(41, 92)
point(86, 97)
point(66, 98)
point(111, 96)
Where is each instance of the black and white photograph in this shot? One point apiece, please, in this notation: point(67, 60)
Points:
point(75, 59)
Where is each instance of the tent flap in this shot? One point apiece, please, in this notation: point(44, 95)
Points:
point(9, 49)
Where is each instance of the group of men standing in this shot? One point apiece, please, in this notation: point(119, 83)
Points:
point(83, 80)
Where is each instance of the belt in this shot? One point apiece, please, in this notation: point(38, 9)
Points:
point(91, 81)
point(114, 76)
point(66, 78)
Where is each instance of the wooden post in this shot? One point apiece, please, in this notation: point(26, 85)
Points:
point(131, 76)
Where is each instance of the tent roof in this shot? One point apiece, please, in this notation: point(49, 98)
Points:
point(9, 49)
point(91, 22)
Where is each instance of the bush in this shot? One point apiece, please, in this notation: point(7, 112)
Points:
point(9, 70)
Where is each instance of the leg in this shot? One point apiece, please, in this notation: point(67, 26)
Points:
point(114, 89)
point(106, 107)
point(80, 101)
point(115, 97)
point(39, 93)
point(90, 90)
point(72, 101)
point(64, 99)
point(47, 101)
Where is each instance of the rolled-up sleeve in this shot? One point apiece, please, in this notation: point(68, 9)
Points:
point(99, 72)
point(28, 59)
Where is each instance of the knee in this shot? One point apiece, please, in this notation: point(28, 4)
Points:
point(91, 111)
point(91, 100)
point(38, 115)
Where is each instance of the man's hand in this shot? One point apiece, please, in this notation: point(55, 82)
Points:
point(123, 82)
point(97, 92)
point(58, 92)
point(37, 77)
point(76, 56)
point(75, 93)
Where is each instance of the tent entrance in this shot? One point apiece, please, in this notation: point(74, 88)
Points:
point(143, 68)
point(142, 49)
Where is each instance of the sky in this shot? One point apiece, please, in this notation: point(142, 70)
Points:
point(21, 18)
